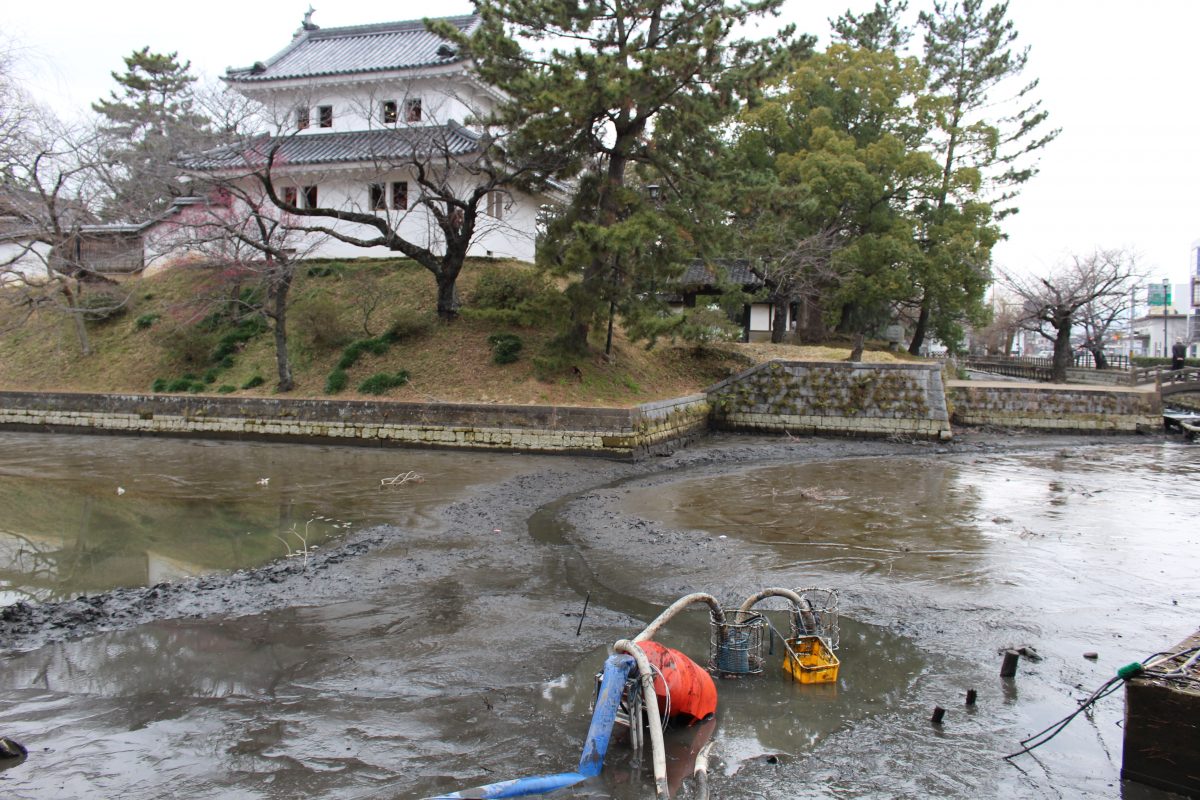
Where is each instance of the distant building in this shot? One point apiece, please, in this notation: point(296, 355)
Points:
point(358, 112)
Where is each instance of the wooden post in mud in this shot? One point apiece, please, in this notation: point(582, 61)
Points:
point(1162, 727)
point(971, 695)
point(1008, 667)
point(938, 714)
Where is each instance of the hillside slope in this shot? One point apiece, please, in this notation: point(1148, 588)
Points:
point(180, 324)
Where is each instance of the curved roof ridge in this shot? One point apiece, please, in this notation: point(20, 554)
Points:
point(465, 22)
point(385, 46)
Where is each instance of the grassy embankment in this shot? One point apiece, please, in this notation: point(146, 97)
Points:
point(167, 332)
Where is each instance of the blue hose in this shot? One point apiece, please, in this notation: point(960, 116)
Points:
point(612, 685)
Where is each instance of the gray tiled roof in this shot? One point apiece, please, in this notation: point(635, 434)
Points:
point(361, 48)
point(379, 146)
point(700, 274)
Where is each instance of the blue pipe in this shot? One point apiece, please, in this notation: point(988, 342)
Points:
point(595, 746)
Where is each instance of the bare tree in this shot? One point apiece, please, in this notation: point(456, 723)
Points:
point(796, 271)
point(457, 184)
point(15, 106)
point(46, 181)
point(242, 232)
point(999, 336)
point(1052, 305)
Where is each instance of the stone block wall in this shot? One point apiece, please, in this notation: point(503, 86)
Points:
point(854, 399)
point(614, 432)
point(1083, 409)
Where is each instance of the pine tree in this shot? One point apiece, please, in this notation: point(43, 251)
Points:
point(149, 119)
point(878, 30)
point(970, 52)
point(835, 157)
point(627, 95)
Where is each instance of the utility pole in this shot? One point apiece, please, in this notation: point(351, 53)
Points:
point(1166, 300)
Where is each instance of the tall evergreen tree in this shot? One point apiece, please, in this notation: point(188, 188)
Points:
point(149, 119)
point(623, 89)
point(836, 153)
point(879, 29)
point(970, 52)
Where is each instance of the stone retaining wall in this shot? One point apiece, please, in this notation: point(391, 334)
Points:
point(614, 432)
point(852, 399)
point(1084, 409)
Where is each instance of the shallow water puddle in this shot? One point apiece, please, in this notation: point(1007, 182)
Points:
point(85, 514)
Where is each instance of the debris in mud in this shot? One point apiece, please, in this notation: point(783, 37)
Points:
point(1028, 651)
point(401, 479)
point(12, 752)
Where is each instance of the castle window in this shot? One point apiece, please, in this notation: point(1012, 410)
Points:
point(400, 195)
point(495, 204)
point(412, 110)
point(325, 115)
point(378, 197)
point(289, 195)
point(390, 113)
point(310, 196)
point(302, 119)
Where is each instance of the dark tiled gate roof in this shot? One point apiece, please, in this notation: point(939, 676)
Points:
point(701, 274)
point(383, 147)
point(361, 48)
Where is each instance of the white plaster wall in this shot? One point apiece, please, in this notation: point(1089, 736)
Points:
point(511, 236)
point(760, 317)
point(17, 263)
point(357, 105)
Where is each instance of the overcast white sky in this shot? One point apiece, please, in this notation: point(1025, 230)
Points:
point(1119, 78)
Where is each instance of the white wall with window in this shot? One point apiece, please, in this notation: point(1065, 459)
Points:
point(369, 105)
point(396, 195)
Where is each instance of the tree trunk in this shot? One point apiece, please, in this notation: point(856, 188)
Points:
point(914, 347)
point(279, 300)
point(779, 306)
point(447, 297)
point(856, 353)
point(76, 313)
point(1098, 356)
point(1062, 351)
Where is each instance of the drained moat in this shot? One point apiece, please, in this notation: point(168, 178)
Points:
point(446, 654)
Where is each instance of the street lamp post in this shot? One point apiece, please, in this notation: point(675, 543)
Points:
point(1166, 302)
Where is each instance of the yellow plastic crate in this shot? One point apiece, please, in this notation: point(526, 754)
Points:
point(809, 660)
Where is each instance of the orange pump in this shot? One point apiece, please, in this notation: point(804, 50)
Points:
point(691, 691)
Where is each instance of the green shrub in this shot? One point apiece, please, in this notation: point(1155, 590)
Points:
point(408, 325)
point(184, 385)
point(331, 270)
point(257, 380)
point(159, 385)
point(355, 350)
point(319, 319)
point(190, 344)
point(553, 364)
point(211, 376)
point(516, 296)
point(505, 347)
point(225, 388)
point(248, 297)
point(380, 382)
point(336, 381)
point(232, 342)
point(506, 288)
point(102, 305)
point(146, 320)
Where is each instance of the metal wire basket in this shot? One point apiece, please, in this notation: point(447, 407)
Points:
point(735, 645)
point(819, 618)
